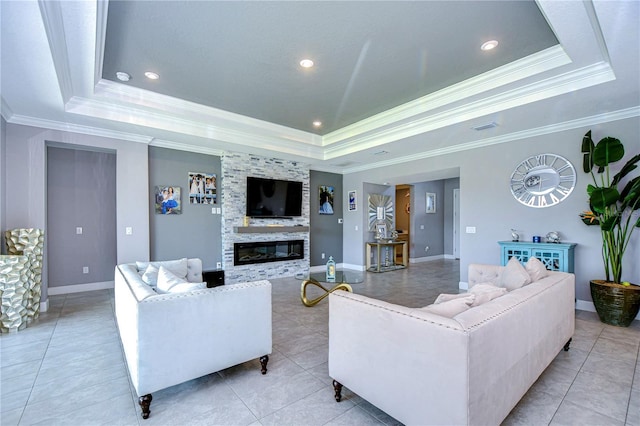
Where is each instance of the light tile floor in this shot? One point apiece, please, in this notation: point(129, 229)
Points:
point(68, 368)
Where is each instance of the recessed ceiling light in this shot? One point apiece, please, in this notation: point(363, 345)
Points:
point(491, 44)
point(123, 76)
point(151, 75)
point(306, 63)
point(317, 123)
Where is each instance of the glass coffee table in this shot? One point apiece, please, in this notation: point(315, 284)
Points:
point(342, 282)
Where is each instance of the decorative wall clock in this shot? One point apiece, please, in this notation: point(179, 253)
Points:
point(543, 180)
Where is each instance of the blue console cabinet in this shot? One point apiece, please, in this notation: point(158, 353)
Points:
point(556, 257)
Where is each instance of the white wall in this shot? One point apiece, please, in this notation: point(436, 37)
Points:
point(25, 195)
point(3, 182)
point(486, 201)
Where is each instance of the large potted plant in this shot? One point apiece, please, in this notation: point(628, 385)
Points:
point(613, 211)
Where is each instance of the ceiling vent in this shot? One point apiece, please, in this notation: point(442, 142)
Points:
point(486, 126)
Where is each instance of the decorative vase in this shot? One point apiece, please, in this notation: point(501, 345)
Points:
point(615, 304)
point(29, 242)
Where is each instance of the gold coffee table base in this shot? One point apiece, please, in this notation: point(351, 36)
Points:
point(313, 302)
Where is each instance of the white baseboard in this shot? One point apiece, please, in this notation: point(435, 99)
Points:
point(322, 268)
point(426, 259)
point(77, 288)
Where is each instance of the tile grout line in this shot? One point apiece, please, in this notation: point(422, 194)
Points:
point(574, 379)
point(44, 355)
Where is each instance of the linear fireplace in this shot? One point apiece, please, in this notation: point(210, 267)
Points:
point(267, 251)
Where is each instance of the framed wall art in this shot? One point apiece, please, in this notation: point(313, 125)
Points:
point(353, 201)
point(431, 202)
point(326, 199)
point(202, 188)
point(167, 200)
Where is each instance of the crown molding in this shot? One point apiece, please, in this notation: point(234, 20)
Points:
point(186, 147)
point(164, 121)
point(54, 28)
point(102, 13)
point(77, 128)
point(5, 109)
point(547, 88)
point(529, 133)
point(534, 64)
point(138, 99)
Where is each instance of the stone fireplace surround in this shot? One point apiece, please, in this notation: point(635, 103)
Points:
point(235, 169)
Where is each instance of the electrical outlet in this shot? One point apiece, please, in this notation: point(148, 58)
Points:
point(323, 255)
point(356, 227)
point(340, 220)
point(471, 229)
point(213, 210)
point(219, 265)
point(421, 226)
point(85, 269)
point(128, 230)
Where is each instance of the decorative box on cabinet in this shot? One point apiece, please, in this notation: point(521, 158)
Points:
point(555, 256)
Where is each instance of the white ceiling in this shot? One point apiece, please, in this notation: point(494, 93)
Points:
point(230, 81)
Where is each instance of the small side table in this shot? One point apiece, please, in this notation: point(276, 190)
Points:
point(213, 278)
point(378, 267)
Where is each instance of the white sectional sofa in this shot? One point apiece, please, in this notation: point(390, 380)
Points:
point(175, 337)
point(471, 369)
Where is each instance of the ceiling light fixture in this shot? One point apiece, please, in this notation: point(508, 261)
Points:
point(491, 44)
point(306, 63)
point(151, 75)
point(123, 76)
point(317, 123)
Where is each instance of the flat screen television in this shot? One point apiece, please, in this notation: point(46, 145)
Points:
point(273, 197)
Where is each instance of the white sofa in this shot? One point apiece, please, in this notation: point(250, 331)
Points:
point(172, 338)
point(472, 369)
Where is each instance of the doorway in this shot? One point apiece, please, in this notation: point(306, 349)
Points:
point(403, 216)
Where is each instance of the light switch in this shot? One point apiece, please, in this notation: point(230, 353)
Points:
point(421, 226)
point(128, 230)
point(471, 229)
point(356, 227)
point(340, 220)
point(213, 210)
point(79, 230)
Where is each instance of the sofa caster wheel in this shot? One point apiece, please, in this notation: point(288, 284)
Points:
point(566, 345)
point(263, 364)
point(337, 387)
point(145, 403)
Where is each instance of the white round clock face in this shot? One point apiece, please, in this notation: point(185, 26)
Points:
point(543, 180)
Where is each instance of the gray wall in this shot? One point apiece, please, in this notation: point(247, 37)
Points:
point(81, 192)
point(432, 235)
point(486, 201)
point(25, 194)
point(195, 232)
point(326, 232)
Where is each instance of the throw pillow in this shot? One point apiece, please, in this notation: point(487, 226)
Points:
point(184, 287)
point(444, 297)
point(177, 267)
point(514, 275)
point(150, 275)
point(486, 292)
point(452, 307)
point(167, 279)
point(536, 269)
